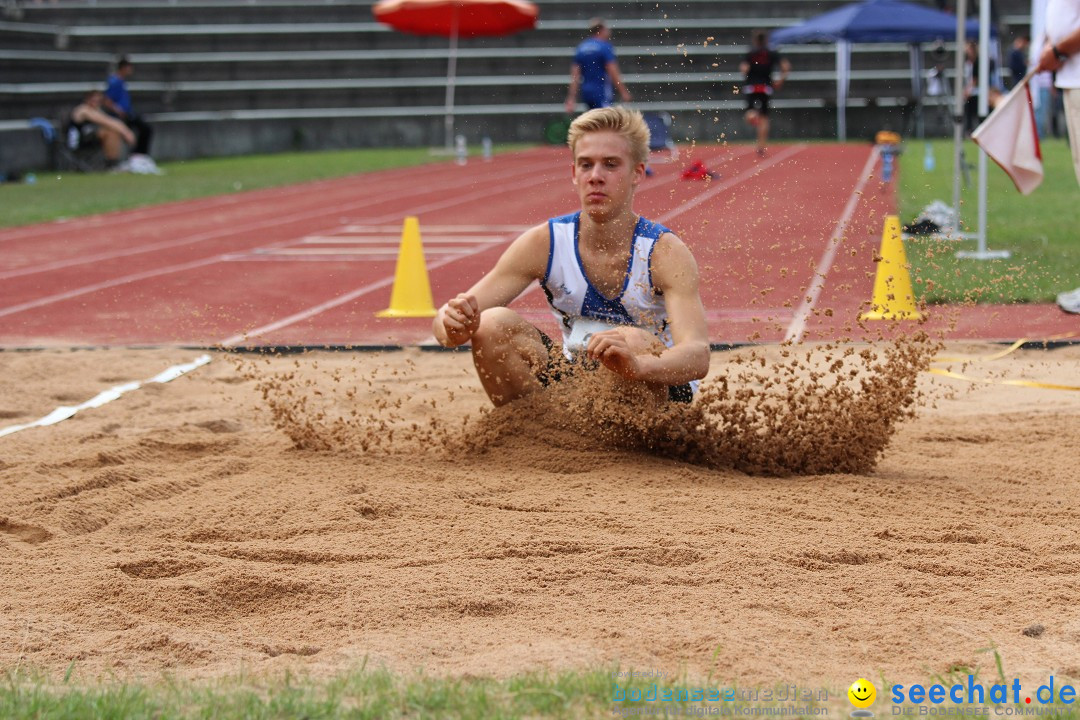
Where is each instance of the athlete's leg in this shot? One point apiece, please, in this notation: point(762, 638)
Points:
point(763, 126)
point(508, 354)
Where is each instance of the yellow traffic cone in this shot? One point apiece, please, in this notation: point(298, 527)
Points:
point(411, 296)
point(893, 297)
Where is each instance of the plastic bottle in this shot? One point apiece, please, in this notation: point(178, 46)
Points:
point(928, 161)
point(461, 150)
point(486, 144)
point(30, 178)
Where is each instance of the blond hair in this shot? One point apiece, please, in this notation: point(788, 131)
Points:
point(628, 123)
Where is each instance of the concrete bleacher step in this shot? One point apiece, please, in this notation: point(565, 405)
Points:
point(214, 73)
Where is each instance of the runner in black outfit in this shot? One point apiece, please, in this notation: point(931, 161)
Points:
point(758, 67)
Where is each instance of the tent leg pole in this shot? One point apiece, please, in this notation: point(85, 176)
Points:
point(984, 109)
point(958, 109)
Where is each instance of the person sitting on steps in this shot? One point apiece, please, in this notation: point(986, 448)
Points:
point(88, 123)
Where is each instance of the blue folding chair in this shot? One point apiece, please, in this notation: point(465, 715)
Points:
point(660, 132)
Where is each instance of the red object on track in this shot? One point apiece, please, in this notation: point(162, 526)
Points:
point(698, 171)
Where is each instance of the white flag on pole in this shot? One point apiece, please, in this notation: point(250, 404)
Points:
point(1009, 136)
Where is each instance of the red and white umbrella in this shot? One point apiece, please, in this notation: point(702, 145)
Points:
point(454, 19)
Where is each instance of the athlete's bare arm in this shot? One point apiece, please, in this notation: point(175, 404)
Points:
point(524, 261)
point(85, 113)
point(674, 272)
point(575, 81)
point(612, 69)
point(785, 69)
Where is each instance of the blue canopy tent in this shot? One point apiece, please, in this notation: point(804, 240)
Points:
point(873, 21)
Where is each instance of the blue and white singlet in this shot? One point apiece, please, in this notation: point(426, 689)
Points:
point(573, 298)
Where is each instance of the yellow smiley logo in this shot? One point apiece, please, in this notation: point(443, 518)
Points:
point(862, 693)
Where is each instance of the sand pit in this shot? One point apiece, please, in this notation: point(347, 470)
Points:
point(177, 529)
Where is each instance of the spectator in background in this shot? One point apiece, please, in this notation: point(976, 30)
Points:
point(595, 70)
point(89, 123)
point(118, 102)
point(1018, 59)
point(757, 68)
point(1061, 55)
point(971, 85)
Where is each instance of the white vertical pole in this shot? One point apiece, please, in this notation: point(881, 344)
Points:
point(984, 109)
point(451, 72)
point(915, 60)
point(958, 108)
point(843, 80)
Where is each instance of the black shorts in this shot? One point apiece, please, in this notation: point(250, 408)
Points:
point(557, 369)
point(758, 102)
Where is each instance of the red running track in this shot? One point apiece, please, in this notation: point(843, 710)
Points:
point(785, 246)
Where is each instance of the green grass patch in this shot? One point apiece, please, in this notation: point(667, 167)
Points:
point(377, 693)
point(1039, 229)
point(367, 693)
point(54, 196)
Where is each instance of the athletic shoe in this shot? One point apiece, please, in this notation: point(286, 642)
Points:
point(1069, 301)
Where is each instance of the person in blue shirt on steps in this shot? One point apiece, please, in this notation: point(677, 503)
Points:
point(118, 102)
point(595, 71)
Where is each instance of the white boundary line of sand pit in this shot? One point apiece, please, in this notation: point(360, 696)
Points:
point(65, 411)
point(802, 314)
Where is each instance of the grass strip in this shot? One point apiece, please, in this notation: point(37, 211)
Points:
point(1039, 230)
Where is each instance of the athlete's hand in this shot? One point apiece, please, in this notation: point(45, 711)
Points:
point(611, 350)
point(461, 319)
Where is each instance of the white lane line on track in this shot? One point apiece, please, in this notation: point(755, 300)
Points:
point(332, 303)
point(258, 225)
point(386, 281)
point(256, 197)
point(797, 328)
point(395, 240)
point(362, 251)
point(363, 229)
point(86, 289)
point(386, 255)
point(135, 277)
point(742, 177)
point(654, 185)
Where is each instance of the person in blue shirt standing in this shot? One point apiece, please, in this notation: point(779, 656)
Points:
point(595, 70)
point(118, 102)
point(1018, 59)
